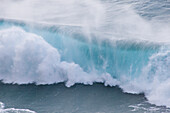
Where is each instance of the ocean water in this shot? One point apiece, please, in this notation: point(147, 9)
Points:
point(80, 98)
point(105, 56)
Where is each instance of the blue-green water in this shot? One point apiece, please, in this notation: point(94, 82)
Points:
point(123, 58)
point(118, 56)
point(100, 56)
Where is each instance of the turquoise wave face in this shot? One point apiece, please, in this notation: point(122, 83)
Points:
point(114, 44)
point(70, 56)
point(116, 57)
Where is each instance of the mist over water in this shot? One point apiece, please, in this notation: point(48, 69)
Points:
point(147, 20)
point(124, 43)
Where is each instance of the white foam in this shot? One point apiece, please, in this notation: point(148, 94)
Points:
point(27, 58)
point(154, 82)
point(13, 110)
point(1, 105)
point(138, 107)
point(160, 93)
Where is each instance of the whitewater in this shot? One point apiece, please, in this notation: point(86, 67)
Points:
point(118, 43)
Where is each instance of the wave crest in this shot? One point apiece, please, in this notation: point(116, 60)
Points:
point(28, 58)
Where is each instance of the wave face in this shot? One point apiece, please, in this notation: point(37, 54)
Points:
point(135, 66)
point(123, 43)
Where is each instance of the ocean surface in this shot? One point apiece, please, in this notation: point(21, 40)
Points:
point(89, 56)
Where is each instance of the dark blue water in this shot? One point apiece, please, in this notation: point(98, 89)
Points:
point(85, 99)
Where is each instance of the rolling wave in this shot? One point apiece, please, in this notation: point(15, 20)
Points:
point(52, 57)
point(124, 43)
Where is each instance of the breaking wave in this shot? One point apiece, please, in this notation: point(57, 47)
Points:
point(124, 43)
point(136, 67)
